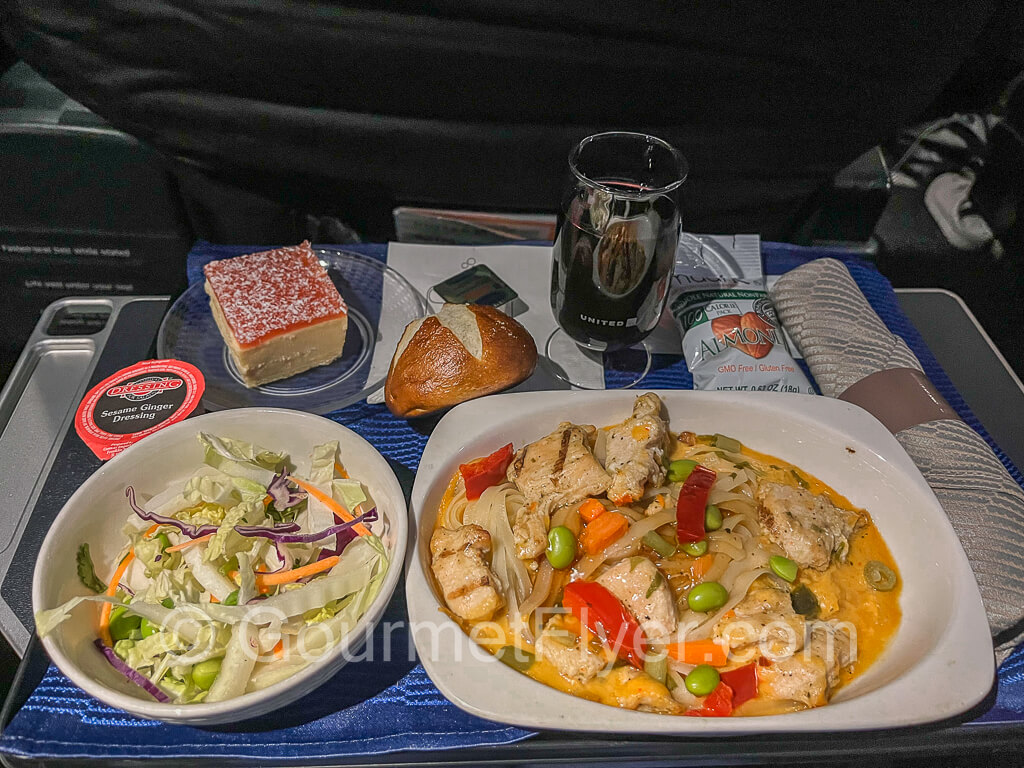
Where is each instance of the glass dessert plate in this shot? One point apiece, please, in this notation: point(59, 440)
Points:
point(380, 303)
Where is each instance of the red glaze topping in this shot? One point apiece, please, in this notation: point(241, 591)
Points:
point(272, 292)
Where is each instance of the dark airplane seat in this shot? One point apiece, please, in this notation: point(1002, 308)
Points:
point(85, 209)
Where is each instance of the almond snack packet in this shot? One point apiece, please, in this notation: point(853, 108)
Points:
point(732, 339)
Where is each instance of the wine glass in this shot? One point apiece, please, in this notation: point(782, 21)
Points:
point(615, 243)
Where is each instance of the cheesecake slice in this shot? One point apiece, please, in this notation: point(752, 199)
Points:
point(278, 311)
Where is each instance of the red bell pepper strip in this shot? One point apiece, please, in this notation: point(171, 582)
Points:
point(481, 474)
point(716, 704)
point(600, 612)
point(693, 501)
point(743, 682)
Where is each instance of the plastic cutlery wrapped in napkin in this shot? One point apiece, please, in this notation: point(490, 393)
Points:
point(854, 357)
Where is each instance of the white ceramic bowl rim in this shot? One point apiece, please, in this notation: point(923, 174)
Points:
point(944, 635)
point(230, 423)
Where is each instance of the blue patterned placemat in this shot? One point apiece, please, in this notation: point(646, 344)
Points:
point(390, 704)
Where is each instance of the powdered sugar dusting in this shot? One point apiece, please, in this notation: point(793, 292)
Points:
point(264, 294)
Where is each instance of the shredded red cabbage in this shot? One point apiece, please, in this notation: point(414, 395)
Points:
point(136, 677)
point(278, 534)
point(284, 497)
point(192, 531)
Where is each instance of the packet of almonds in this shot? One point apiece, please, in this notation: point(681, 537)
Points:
point(731, 337)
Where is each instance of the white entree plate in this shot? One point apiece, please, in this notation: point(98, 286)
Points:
point(96, 512)
point(938, 665)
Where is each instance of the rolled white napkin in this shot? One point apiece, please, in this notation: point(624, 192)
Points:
point(853, 356)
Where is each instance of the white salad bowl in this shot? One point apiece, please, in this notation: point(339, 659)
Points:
point(938, 664)
point(98, 509)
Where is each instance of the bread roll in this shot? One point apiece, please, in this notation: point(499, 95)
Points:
point(462, 352)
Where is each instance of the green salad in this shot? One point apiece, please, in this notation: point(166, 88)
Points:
point(235, 578)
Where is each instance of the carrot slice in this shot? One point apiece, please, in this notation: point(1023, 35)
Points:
point(279, 649)
point(189, 543)
point(698, 652)
point(602, 531)
point(111, 591)
point(591, 509)
point(286, 577)
point(700, 567)
point(331, 504)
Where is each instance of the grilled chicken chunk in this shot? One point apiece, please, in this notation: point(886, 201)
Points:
point(765, 614)
point(808, 527)
point(634, 451)
point(635, 690)
point(554, 471)
point(574, 657)
point(640, 586)
point(808, 677)
point(469, 587)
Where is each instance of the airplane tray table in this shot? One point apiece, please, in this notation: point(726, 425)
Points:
point(79, 342)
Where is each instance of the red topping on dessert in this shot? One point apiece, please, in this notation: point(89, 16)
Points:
point(272, 292)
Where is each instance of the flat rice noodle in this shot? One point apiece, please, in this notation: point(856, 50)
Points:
point(541, 591)
point(493, 511)
point(627, 544)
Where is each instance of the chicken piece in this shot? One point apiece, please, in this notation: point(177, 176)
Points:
point(638, 584)
point(635, 690)
point(469, 588)
point(556, 470)
point(808, 527)
point(656, 506)
point(802, 678)
point(808, 677)
point(530, 531)
point(574, 657)
point(766, 616)
point(634, 451)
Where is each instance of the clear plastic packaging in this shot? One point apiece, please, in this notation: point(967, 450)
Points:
point(732, 339)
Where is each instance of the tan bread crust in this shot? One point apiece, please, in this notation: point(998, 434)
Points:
point(435, 371)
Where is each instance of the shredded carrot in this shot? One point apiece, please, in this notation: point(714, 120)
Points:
point(279, 649)
point(213, 599)
point(151, 530)
point(189, 543)
point(700, 567)
point(286, 577)
point(602, 531)
point(267, 499)
point(331, 504)
point(340, 470)
point(698, 652)
point(111, 591)
point(591, 509)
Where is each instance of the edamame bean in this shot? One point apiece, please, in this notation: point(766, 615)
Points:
point(122, 623)
point(205, 672)
point(561, 549)
point(680, 469)
point(712, 518)
point(702, 680)
point(695, 548)
point(879, 576)
point(707, 596)
point(148, 628)
point(783, 567)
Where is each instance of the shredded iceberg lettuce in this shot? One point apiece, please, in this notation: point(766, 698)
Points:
point(215, 594)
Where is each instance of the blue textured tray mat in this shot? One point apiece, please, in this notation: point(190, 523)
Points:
point(390, 705)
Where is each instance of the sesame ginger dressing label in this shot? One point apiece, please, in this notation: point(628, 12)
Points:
point(136, 402)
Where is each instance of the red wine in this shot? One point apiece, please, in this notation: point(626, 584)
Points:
point(612, 265)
